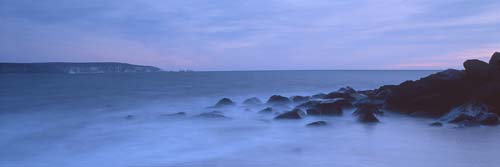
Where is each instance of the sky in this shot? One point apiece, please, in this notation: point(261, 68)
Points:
point(252, 34)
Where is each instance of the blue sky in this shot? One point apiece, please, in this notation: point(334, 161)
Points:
point(252, 34)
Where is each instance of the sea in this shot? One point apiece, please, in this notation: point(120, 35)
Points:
point(121, 120)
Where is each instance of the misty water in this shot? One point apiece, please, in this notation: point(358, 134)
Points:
point(120, 120)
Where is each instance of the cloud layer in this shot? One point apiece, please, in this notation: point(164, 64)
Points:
point(252, 35)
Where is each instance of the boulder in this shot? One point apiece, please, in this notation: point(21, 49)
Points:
point(366, 114)
point(488, 93)
point(495, 61)
point(326, 108)
point(267, 110)
point(252, 102)
point(212, 115)
point(433, 95)
point(317, 123)
point(177, 114)
point(300, 99)
point(473, 112)
point(436, 124)
point(294, 114)
point(278, 100)
point(335, 95)
point(477, 70)
point(224, 103)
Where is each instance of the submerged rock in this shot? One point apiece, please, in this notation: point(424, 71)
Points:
point(212, 115)
point(471, 113)
point(267, 110)
point(224, 103)
point(294, 114)
point(177, 114)
point(252, 101)
point(278, 100)
point(436, 124)
point(317, 123)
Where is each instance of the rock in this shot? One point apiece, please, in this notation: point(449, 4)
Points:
point(224, 103)
point(495, 61)
point(366, 114)
point(278, 100)
point(433, 95)
point(488, 93)
point(436, 124)
point(369, 102)
point(294, 114)
point(212, 115)
point(346, 90)
point(300, 99)
point(317, 123)
point(471, 113)
point(334, 95)
point(331, 107)
point(252, 102)
point(477, 70)
point(177, 114)
point(318, 96)
point(266, 110)
point(380, 93)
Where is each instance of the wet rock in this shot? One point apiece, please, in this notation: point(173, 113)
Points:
point(327, 107)
point(177, 114)
point(318, 96)
point(278, 100)
point(433, 95)
point(267, 110)
point(366, 114)
point(471, 113)
point(252, 102)
point(300, 99)
point(224, 103)
point(294, 114)
point(488, 93)
point(381, 93)
point(335, 95)
point(477, 70)
point(436, 124)
point(212, 115)
point(317, 123)
point(369, 102)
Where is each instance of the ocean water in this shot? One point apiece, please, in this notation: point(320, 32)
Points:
point(119, 120)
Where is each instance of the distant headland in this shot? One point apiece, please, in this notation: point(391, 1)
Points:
point(75, 68)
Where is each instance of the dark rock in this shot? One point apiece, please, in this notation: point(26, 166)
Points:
point(366, 114)
point(278, 100)
point(294, 114)
point(335, 95)
point(328, 107)
point(432, 95)
point(471, 113)
point(177, 114)
point(436, 124)
point(346, 90)
point(369, 102)
point(212, 115)
point(380, 93)
point(495, 61)
point(477, 70)
point(488, 93)
point(317, 123)
point(318, 96)
point(300, 99)
point(266, 110)
point(252, 101)
point(224, 103)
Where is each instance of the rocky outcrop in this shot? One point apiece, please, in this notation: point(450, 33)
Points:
point(325, 107)
point(300, 99)
point(267, 110)
point(74, 68)
point(366, 113)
